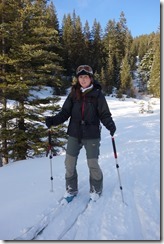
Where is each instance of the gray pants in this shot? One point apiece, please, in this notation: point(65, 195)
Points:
point(92, 152)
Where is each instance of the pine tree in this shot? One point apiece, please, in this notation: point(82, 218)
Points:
point(52, 18)
point(97, 51)
point(73, 43)
point(78, 43)
point(144, 68)
point(109, 47)
point(154, 81)
point(102, 79)
point(88, 44)
point(34, 64)
point(8, 15)
point(110, 75)
point(125, 77)
point(67, 40)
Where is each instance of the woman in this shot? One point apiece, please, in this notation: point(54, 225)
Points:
point(86, 107)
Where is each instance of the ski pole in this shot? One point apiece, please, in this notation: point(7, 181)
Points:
point(49, 151)
point(117, 166)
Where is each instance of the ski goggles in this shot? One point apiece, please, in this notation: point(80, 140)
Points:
point(85, 68)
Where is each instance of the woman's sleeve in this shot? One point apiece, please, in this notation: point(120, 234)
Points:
point(105, 115)
point(65, 112)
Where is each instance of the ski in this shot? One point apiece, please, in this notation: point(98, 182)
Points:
point(72, 212)
point(74, 219)
point(31, 233)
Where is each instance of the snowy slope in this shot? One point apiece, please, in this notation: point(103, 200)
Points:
point(25, 186)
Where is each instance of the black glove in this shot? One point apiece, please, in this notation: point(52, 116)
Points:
point(49, 121)
point(112, 128)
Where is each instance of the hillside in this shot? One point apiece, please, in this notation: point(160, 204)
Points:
point(25, 185)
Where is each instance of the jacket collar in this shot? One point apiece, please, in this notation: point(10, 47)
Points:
point(87, 89)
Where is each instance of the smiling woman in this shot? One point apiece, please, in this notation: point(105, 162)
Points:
point(84, 74)
point(86, 107)
point(85, 81)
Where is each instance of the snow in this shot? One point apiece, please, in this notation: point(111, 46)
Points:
point(25, 186)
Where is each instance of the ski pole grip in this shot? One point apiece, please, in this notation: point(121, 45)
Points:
point(114, 147)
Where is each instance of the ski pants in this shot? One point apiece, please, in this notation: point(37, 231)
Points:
point(92, 153)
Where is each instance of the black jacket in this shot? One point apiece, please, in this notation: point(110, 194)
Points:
point(85, 114)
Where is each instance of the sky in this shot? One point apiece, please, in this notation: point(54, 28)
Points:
point(30, 199)
point(143, 16)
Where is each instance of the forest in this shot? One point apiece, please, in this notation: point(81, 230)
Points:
point(36, 53)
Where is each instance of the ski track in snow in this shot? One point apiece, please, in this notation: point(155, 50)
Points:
point(138, 147)
point(110, 215)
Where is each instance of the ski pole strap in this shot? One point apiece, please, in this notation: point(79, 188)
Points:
point(49, 143)
point(114, 147)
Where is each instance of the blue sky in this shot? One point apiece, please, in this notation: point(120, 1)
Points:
point(143, 16)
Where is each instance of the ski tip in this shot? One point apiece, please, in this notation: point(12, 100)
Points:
point(63, 202)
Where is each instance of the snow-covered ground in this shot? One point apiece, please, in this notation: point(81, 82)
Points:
point(25, 186)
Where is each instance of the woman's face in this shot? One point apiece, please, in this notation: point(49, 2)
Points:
point(84, 80)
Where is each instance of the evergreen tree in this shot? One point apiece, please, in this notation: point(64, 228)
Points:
point(102, 79)
point(8, 12)
point(121, 34)
point(52, 19)
point(88, 44)
point(142, 44)
point(67, 40)
point(154, 81)
point(144, 69)
point(110, 75)
point(34, 64)
point(125, 76)
point(109, 41)
point(78, 43)
point(97, 51)
point(121, 45)
point(73, 43)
